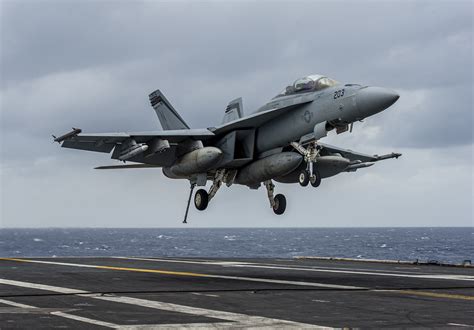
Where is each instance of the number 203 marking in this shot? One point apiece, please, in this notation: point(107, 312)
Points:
point(339, 93)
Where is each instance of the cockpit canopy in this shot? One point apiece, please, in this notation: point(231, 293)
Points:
point(310, 83)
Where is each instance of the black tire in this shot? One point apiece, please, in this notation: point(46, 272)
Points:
point(315, 180)
point(280, 204)
point(201, 199)
point(303, 178)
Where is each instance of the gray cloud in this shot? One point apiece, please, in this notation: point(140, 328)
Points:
point(92, 64)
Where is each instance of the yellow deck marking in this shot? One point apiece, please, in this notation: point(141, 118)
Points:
point(435, 294)
point(428, 294)
point(141, 270)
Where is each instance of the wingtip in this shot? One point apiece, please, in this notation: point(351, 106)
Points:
point(388, 156)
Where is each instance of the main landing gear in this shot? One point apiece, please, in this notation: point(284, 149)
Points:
point(201, 200)
point(277, 203)
point(310, 174)
point(202, 197)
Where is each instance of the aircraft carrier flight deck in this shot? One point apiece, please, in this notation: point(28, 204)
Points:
point(133, 292)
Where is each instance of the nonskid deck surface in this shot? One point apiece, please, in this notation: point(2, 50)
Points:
point(170, 292)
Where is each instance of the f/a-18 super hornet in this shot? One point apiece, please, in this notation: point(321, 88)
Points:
point(278, 142)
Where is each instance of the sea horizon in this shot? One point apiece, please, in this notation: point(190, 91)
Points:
point(440, 244)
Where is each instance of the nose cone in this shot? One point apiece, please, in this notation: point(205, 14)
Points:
point(371, 100)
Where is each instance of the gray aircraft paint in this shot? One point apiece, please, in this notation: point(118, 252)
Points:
point(293, 125)
point(279, 141)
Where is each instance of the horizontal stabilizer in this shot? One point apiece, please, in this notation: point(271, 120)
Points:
point(120, 167)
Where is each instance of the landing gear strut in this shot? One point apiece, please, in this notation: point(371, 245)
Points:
point(309, 175)
point(278, 203)
point(202, 197)
point(189, 201)
point(216, 183)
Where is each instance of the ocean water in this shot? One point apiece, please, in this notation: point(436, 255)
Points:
point(451, 245)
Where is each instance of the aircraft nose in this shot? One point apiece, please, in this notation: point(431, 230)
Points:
point(371, 100)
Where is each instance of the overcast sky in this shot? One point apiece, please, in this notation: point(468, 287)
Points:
point(92, 64)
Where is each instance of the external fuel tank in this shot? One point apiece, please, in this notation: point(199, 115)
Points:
point(197, 161)
point(268, 168)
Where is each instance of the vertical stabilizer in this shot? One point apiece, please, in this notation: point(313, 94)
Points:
point(233, 111)
point(169, 118)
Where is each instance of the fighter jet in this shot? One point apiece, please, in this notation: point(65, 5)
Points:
point(279, 142)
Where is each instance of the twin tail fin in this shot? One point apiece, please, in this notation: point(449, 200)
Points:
point(233, 111)
point(171, 120)
point(168, 116)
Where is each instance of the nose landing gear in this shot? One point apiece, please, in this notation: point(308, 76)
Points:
point(315, 179)
point(309, 175)
point(303, 178)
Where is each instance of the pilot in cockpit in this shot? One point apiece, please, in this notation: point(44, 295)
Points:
point(310, 83)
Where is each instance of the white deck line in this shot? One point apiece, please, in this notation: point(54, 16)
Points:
point(238, 319)
point(225, 277)
point(230, 263)
point(216, 325)
point(64, 315)
point(318, 269)
point(42, 287)
point(461, 325)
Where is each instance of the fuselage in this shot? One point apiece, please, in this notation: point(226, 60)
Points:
point(311, 105)
point(341, 104)
point(279, 142)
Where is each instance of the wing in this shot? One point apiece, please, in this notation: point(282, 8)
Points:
point(106, 142)
point(357, 159)
point(259, 118)
point(357, 156)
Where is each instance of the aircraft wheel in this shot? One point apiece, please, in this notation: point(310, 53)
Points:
point(303, 178)
point(280, 204)
point(201, 199)
point(315, 180)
